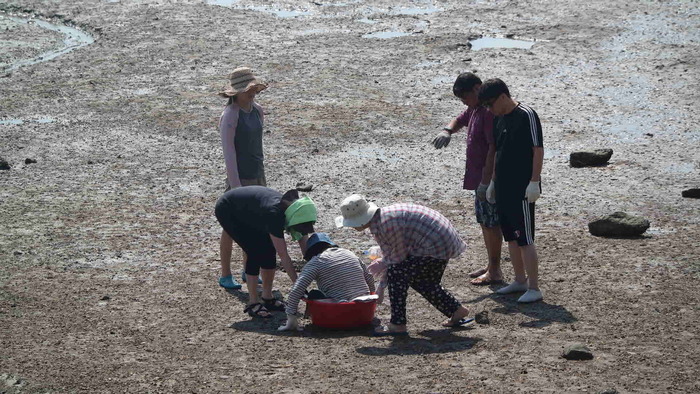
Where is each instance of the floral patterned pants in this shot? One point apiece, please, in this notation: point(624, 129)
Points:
point(423, 274)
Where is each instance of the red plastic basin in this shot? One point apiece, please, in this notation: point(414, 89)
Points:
point(341, 314)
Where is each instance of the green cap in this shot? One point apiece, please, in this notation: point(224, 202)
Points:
point(302, 210)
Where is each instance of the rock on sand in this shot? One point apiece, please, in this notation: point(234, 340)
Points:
point(596, 157)
point(619, 224)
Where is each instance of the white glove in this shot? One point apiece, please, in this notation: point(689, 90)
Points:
point(481, 192)
point(376, 267)
point(491, 193)
point(532, 193)
point(442, 139)
point(291, 325)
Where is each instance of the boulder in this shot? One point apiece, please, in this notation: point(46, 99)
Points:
point(597, 157)
point(29, 161)
point(619, 224)
point(690, 193)
point(577, 351)
point(4, 165)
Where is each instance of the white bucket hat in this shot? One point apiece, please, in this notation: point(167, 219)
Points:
point(356, 212)
point(241, 80)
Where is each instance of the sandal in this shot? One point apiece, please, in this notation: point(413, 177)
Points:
point(257, 310)
point(273, 304)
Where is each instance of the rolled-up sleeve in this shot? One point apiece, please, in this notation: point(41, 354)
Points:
point(308, 274)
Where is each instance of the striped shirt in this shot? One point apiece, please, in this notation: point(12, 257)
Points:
point(405, 229)
point(338, 273)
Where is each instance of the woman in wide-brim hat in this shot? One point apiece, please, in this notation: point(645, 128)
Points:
point(241, 129)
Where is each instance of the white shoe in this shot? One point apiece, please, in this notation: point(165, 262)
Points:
point(530, 296)
point(512, 288)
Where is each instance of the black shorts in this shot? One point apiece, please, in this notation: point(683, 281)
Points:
point(255, 243)
point(517, 221)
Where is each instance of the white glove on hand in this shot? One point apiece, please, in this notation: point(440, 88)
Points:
point(376, 267)
point(291, 325)
point(481, 192)
point(532, 193)
point(491, 193)
point(442, 139)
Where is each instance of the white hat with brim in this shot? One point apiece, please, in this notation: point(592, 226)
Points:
point(356, 212)
point(241, 80)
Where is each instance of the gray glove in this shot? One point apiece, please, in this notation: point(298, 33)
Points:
point(481, 192)
point(442, 139)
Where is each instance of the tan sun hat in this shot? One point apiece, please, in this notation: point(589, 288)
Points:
point(356, 212)
point(241, 80)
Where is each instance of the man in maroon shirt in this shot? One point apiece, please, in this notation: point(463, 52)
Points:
point(481, 150)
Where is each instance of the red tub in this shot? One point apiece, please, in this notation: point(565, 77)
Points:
point(341, 315)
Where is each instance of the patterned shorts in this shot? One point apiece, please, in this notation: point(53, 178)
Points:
point(486, 213)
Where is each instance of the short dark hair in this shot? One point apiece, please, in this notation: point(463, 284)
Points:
point(492, 88)
point(464, 83)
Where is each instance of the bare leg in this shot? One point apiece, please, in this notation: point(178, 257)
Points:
point(267, 278)
point(529, 257)
point(517, 259)
point(225, 249)
point(493, 240)
point(252, 284)
point(459, 314)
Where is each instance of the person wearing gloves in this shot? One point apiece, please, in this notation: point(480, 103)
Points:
point(416, 243)
point(515, 185)
point(339, 274)
point(481, 151)
point(255, 217)
point(241, 130)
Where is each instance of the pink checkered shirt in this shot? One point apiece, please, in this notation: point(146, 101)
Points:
point(405, 229)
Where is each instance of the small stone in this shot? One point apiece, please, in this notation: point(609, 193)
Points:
point(577, 351)
point(619, 224)
point(304, 187)
point(18, 252)
point(597, 157)
point(29, 161)
point(608, 391)
point(690, 193)
point(4, 165)
point(482, 317)
point(91, 162)
point(105, 298)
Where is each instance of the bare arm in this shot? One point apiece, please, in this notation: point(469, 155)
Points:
point(281, 247)
point(488, 172)
point(302, 244)
point(227, 128)
point(537, 158)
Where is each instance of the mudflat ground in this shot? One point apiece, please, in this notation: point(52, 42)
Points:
point(108, 244)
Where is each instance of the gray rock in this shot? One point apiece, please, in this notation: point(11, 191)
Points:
point(690, 193)
point(29, 161)
point(4, 165)
point(304, 187)
point(597, 157)
point(619, 224)
point(608, 391)
point(482, 317)
point(577, 351)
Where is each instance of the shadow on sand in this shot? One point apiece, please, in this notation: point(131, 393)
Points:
point(438, 341)
point(543, 313)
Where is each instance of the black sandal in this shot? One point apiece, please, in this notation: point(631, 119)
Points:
point(274, 304)
point(257, 310)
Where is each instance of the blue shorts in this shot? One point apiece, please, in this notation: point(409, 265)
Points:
point(486, 213)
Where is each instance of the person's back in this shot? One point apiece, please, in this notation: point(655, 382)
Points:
point(340, 274)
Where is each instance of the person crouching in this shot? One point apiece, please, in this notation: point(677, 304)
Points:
point(338, 272)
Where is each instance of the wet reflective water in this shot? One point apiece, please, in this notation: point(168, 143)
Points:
point(72, 39)
point(6, 122)
point(489, 42)
point(386, 34)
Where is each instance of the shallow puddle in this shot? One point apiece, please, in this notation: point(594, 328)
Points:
point(278, 13)
point(5, 122)
point(386, 34)
point(489, 42)
point(72, 39)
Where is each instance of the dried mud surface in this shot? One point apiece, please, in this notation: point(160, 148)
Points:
point(108, 244)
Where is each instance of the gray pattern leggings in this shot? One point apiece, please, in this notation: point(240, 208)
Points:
point(423, 274)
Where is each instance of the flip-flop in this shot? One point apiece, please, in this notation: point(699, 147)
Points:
point(387, 333)
point(461, 322)
point(477, 273)
point(486, 282)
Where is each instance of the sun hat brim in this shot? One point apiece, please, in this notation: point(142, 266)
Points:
point(357, 220)
point(229, 91)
